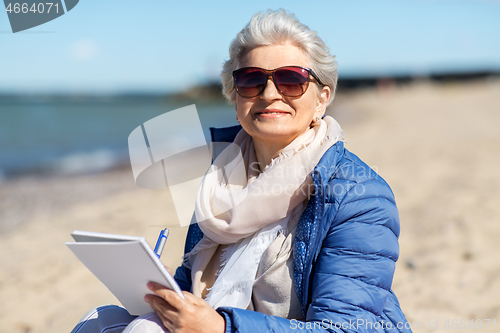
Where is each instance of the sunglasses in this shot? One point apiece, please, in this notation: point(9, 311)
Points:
point(291, 81)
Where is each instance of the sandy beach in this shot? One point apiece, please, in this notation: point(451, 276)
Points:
point(437, 145)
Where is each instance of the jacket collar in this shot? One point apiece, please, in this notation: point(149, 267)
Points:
point(327, 166)
point(224, 134)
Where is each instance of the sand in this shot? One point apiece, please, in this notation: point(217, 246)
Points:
point(436, 145)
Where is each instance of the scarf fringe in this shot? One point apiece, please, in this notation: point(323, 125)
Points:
point(226, 254)
point(228, 289)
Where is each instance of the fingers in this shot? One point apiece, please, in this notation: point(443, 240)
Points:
point(159, 303)
point(170, 307)
point(186, 315)
point(168, 295)
point(163, 310)
point(160, 306)
point(168, 270)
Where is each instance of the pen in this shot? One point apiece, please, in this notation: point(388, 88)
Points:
point(160, 243)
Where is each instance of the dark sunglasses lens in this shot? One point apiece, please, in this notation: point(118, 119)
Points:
point(292, 81)
point(250, 82)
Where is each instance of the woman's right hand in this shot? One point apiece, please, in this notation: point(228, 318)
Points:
point(189, 315)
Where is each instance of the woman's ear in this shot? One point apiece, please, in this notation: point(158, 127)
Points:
point(323, 98)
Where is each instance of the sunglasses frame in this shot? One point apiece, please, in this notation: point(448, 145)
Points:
point(270, 73)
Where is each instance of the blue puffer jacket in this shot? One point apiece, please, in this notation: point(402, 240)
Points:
point(344, 254)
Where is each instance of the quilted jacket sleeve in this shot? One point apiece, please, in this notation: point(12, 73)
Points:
point(355, 267)
point(353, 272)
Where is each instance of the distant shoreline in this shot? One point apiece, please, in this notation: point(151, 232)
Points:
point(211, 91)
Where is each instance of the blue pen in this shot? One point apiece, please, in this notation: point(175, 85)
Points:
point(160, 243)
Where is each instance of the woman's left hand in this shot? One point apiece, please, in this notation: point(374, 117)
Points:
point(188, 315)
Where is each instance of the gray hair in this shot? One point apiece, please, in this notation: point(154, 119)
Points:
point(277, 27)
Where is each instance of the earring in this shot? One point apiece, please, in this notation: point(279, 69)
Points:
point(317, 118)
point(237, 120)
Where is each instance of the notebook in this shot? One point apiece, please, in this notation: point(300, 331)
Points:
point(124, 264)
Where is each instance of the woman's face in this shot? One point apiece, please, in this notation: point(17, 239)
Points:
point(271, 118)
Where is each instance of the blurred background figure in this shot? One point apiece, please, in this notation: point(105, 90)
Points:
point(420, 78)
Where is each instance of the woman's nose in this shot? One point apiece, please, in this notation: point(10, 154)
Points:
point(270, 92)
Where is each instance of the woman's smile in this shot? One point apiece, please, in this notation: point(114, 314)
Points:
point(271, 114)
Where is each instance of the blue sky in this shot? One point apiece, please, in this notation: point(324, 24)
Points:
point(157, 46)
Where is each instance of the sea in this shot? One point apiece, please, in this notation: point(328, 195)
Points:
point(71, 135)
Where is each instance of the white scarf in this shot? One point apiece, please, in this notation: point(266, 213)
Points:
point(238, 205)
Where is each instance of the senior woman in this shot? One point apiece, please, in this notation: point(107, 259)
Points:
point(294, 231)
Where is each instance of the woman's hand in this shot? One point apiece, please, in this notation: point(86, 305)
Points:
point(188, 315)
